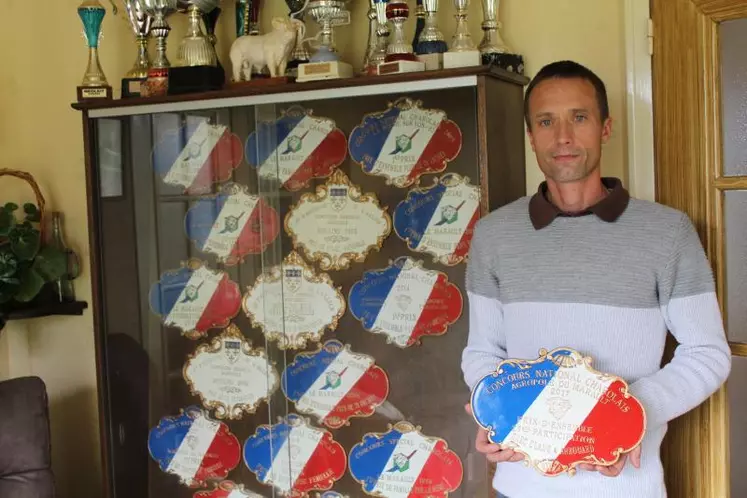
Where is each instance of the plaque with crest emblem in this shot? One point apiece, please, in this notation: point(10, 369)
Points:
point(230, 376)
point(232, 224)
point(405, 302)
point(296, 148)
point(293, 304)
point(405, 142)
point(335, 384)
point(440, 219)
point(227, 489)
point(195, 299)
point(338, 225)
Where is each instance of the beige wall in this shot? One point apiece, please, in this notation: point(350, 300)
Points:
point(44, 61)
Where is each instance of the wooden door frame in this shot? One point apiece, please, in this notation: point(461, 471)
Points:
point(687, 131)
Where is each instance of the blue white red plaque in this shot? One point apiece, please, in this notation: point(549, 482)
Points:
point(331, 494)
point(232, 224)
point(440, 219)
point(227, 489)
point(338, 225)
point(295, 457)
point(404, 463)
point(558, 411)
point(335, 384)
point(405, 142)
point(194, 447)
point(296, 148)
point(230, 376)
point(195, 299)
point(292, 304)
point(196, 156)
point(405, 302)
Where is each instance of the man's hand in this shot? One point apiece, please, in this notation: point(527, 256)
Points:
point(492, 451)
point(614, 470)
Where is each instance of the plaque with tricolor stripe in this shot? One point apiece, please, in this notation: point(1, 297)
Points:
point(440, 219)
point(405, 142)
point(232, 224)
point(194, 447)
point(295, 457)
point(296, 148)
point(404, 463)
point(196, 156)
point(228, 489)
point(195, 299)
point(558, 411)
point(335, 384)
point(405, 302)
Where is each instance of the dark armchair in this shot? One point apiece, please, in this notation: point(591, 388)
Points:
point(25, 440)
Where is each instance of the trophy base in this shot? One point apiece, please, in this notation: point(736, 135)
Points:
point(432, 61)
point(157, 83)
point(431, 47)
point(102, 92)
point(262, 81)
point(314, 71)
point(397, 67)
point(462, 59)
point(131, 87)
point(510, 62)
point(195, 79)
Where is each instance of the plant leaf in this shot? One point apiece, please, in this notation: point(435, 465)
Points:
point(50, 263)
point(11, 206)
point(8, 291)
point(32, 212)
point(6, 221)
point(8, 264)
point(31, 284)
point(25, 242)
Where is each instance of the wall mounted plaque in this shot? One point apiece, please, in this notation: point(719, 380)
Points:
point(405, 302)
point(195, 299)
point(558, 411)
point(295, 457)
point(296, 148)
point(338, 224)
point(405, 142)
point(232, 224)
point(194, 157)
point(335, 384)
point(230, 376)
point(404, 463)
point(330, 494)
point(194, 447)
point(292, 304)
point(227, 489)
point(439, 220)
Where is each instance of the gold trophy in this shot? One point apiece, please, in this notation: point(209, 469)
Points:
point(140, 22)
point(94, 85)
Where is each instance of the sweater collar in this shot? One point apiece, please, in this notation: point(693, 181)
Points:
point(542, 212)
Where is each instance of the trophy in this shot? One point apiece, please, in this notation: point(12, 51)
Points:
point(492, 47)
point(158, 74)
point(94, 85)
point(463, 51)
point(326, 63)
point(430, 43)
point(400, 57)
point(377, 41)
point(140, 23)
point(247, 17)
point(299, 55)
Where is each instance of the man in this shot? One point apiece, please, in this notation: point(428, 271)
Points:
point(580, 264)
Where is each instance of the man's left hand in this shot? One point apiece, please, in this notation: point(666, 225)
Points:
point(614, 470)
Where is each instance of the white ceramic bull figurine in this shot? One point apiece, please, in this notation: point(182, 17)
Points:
point(271, 49)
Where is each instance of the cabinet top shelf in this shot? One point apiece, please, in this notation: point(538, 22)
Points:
point(247, 94)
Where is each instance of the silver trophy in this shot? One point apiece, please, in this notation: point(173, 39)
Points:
point(140, 23)
point(195, 48)
point(328, 14)
point(378, 34)
point(160, 10)
point(430, 40)
point(462, 40)
point(493, 49)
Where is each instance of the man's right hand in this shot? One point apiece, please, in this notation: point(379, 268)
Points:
point(492, 451)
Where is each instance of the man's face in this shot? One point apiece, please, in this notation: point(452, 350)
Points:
point(566, 130)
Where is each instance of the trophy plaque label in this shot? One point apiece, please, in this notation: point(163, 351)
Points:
point(229, 376)
point(195, 299)
point(194, 448)
point(405, 142)
point(94, 93)
point(404, 463)
point(227, 489)
point(558, 411)
point(232, 224)
point(195, 157)
point(296, 148)
point(405, 302)
point(334, 384)
point(295, 457)
point(338, 225)
point(292, 304)
point(439, 220)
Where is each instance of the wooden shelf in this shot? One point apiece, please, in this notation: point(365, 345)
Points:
point(38, 310)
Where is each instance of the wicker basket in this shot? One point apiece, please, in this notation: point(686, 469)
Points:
point(23, 175)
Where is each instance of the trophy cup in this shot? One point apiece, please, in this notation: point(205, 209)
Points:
point(158, 74)
point(430, 43)
point(400, 57)
point(196, 68)
point(247, 17)
point(299, 55)
point(493, 49)
point(463, 51)
point(326, 63)
point(94, 85)
point(377, 41)
point(140, 23)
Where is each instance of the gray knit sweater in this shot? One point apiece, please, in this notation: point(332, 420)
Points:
point(611, 290)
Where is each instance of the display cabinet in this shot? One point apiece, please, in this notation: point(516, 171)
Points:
point(278, 280)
